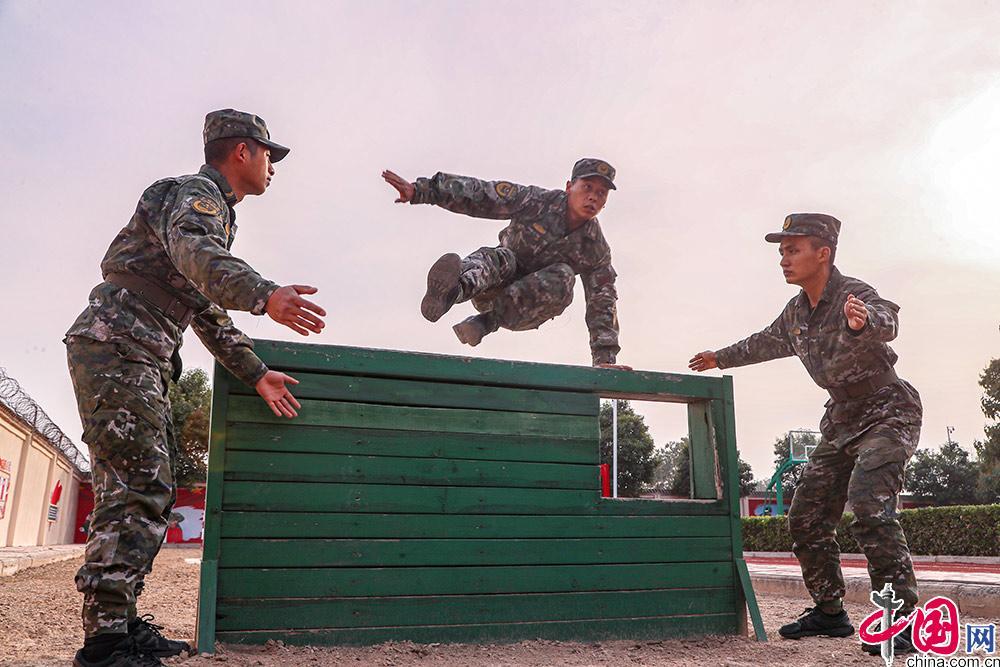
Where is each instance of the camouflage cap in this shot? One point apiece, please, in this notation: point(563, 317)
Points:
point(819, 225)
point(226, 123)
point(590, 166)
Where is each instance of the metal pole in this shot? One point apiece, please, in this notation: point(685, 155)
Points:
point(614, 449)
point(780, 499)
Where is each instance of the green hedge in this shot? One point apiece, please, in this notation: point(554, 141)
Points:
point(967, 530)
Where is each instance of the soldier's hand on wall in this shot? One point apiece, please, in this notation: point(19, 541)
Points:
point(856, 313)
point(703, 361)
point(272, 389)
point(619, 367)
point(404, 187)
point(286, 306)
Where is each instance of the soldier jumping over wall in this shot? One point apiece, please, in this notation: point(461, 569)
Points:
point(170, 266)
point(528, 279)
point(839, 328)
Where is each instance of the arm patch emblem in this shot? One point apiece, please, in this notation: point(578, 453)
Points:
point(206, 206)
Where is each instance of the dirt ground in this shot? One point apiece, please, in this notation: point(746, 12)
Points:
point(39, 625)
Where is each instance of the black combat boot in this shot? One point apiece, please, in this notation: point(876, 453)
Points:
point(443, 287)
point(126, 653)
point(472, 330)
point(815, 622)
point(901, 643)
point(149, 638)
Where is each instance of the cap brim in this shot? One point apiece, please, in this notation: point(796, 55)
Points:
point(775, 237)
point(611, 184)
point(278, 152)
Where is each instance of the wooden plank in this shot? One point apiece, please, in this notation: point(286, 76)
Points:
point(222, 381)
point(324, 386)
point(724, 415)
point(483, 526)
point(296, 614)
point(374, 442)
point(241, 552)
point(652, 628)
point(412, 365)
point(383, 581)
point(376, 498)
point(248, 409)
point(297, 467)
point(750, 598)
point(384, 498)
point(702, 449)
point(650, 507)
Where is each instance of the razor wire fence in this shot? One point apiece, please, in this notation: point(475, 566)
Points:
point(18, 401)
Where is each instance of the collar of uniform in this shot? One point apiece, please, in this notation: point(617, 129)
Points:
point(590, 229)
point(832, 285)
point(220, 180)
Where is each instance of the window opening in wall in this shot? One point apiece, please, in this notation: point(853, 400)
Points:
point(645, 450)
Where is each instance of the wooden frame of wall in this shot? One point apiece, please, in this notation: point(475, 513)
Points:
point(435, 499)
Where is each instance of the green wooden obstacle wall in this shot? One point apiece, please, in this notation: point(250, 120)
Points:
point(441, 499)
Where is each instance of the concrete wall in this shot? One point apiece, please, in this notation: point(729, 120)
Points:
point(30, 469)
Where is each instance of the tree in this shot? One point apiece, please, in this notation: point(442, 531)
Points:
point(680, 480)
point(988, 451)
point(191, 404)
point(672, 473)
point(747, 481)
point(665, 462)
point(947, 476)
point(988, 484)
point(635, 448)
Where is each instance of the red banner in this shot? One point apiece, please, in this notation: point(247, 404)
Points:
point(185, 526)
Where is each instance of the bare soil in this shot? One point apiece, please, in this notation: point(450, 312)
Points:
point(40, 612)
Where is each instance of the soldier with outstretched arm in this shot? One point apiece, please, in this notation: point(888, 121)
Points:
point(168, 268)
point(553, 236)
point(839, 327)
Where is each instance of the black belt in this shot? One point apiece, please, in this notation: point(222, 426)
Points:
point(153, 294)
point(864, 387)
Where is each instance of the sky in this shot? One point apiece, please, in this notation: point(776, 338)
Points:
point(720, 117)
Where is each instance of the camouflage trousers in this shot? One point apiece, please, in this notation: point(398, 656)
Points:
point(868, 473)
point(121, 392)
point(490, 277)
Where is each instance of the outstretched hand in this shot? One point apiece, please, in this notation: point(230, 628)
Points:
point(703, 361)
point(404, 187)
point(272, 389)
point(855, 312)
point(285, 306)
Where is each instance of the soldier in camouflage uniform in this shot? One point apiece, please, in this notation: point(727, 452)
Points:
point(839, 327)
point(170, 266)
point(528, 279)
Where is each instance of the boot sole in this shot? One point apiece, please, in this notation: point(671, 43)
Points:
point(846, 632)
point(468, 334)
point(442, 279)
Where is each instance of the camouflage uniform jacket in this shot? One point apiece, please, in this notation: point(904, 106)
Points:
point(539, 237)
point(835, 356)
point(179, 238)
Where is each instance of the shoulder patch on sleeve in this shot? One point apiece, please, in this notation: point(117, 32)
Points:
point(206, 206)
point(504, 189)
